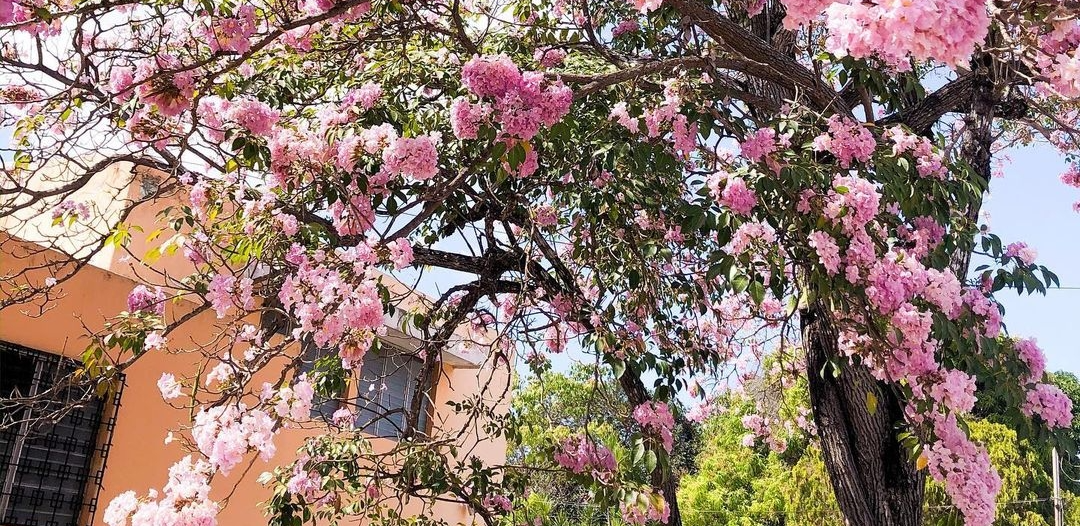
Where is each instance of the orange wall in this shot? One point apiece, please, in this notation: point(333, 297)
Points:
point(139, 459)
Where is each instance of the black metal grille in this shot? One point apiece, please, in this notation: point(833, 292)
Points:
point(53, 444)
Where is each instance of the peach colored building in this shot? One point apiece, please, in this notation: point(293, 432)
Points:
point(67, 475)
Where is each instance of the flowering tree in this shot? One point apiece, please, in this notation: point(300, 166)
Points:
point(674, 189)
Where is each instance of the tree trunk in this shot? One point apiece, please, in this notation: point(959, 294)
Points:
point(637, 394)
point(875, 482)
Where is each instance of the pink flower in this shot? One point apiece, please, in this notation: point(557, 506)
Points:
point(964, 468)
point(413, 157)
point(466, 118)
point(624, 27)
point(400, 253)
point(1021, 252)
point(142, 299)
point(759, 144)
point(737, 196)
point(256, 116)
point(656, 418)
point(1033, 358)
point(168, 386)
point(943, 30)
point(523, 102)
point(549, 57)
point(846, 140)
point(368, 95)
point(644, 6)
point(583, 456)
point(955, 391)
point(622, 116)
point(1050, 403)
point(232, 33)
point(828, 251)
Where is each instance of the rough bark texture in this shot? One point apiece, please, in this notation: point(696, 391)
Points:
point(875, 482)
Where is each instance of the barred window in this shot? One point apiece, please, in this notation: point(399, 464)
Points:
point(50, 472)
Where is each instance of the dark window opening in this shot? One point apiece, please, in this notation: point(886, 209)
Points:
point(49, 471)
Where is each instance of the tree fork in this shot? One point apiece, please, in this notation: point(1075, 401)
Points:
point(875, 482)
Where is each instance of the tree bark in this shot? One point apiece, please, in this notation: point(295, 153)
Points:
point(875, 482)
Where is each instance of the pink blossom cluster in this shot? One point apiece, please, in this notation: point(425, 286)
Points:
point(647, 506)
point(549, 57)
point(498, 502)
point(1052, 405)
point(925, 237)
point(69, 208)
point(401, 253)
point(185, 500)
point(964, 468)
point(749, 233)
point(644, 6)
point(304, 483)
point(522, 101)
point(1071, 177)
point(983, 306)
point(759, 144)
point(144, 299)
point(224, 434)
point(295, 154)
point(230, 33)
point(581, 455)
point(928, 163)
point(656, 418)
point(1021, 252)
point(847, 141)
point(955, 390)
point(761, 428)
point(732, 192)
point(226, 291)
point(333, 309)
point(415, 157)
point(827, 250)
point(169, 387)
point(293, 403)
point(944, 30)
point(162, 82)
point(625, 27)
point(853, 202)
point(621, 115)
point(1059, 61)
point(1032, 356)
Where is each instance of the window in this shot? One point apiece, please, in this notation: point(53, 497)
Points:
point(49, 474)
point(388, 382)
point(385, 390)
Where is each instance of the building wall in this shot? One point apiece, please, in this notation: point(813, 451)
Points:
point(139, 459)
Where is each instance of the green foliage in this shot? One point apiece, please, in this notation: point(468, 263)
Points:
point(740, 486)
point(554, 406)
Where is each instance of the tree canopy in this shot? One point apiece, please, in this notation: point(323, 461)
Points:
point(690, 193)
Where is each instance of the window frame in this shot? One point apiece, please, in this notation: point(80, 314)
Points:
point(47, 368)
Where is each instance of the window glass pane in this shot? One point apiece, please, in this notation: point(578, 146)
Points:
point(387, 383)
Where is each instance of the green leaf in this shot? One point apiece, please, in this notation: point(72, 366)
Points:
point(740, 283)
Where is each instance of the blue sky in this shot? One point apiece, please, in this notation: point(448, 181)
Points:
point(1032, 205)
